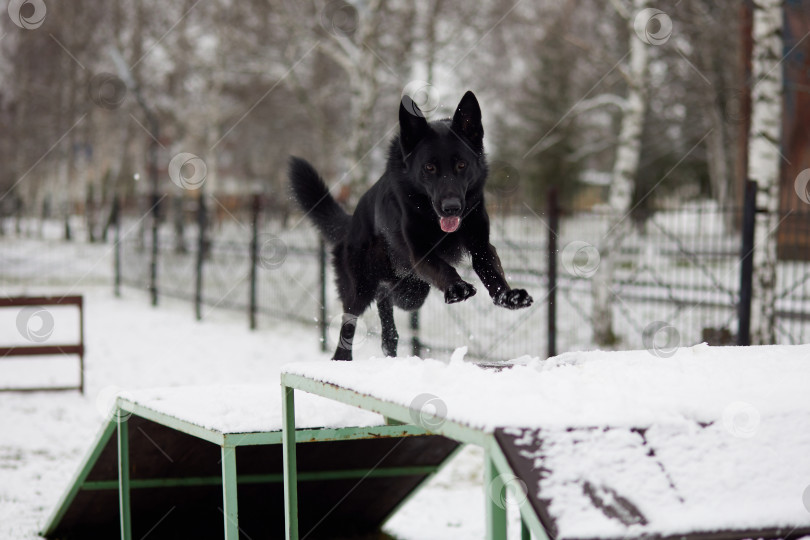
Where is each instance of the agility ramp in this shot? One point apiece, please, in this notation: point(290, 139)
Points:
point(708, 443)
point(206, 462)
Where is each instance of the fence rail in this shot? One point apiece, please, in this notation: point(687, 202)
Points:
point(679, 270)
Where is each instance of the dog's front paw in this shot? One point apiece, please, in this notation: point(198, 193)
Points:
point(513, 299)
point(458, 291)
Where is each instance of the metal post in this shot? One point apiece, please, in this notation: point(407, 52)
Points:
point(288, 460)
point(153, 176)
point(747, 263)
point(202, 222)
point(123, 476)
point(81, 342)
point(416, 345)
point(495, 513)
point(254, 259)
point(553, 231)
point(230, 507)
point(116, 219)
point(322, 319)
point(525, 533)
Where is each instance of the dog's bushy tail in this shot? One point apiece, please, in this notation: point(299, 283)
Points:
point(314, 198)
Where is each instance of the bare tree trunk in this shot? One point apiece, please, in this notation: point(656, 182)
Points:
point(364, 81)
point(625, 168)
point(214, 116)
point(363, 99)
point(717, 157)
point(764, 163)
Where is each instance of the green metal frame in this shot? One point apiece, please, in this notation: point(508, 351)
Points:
point(495, 513)
point(230, 507)
point(228, 442)
point(290, 468)
point(125, 509)
point(495, 461)
point(529, 521)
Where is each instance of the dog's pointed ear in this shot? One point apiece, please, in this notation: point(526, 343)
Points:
point(467, 121)
point(412, 125)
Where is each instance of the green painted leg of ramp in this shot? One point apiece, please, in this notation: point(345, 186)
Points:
point(529, 521)
point(230, 508)
point(495, 512)
point(123, 477)
point(288, 455)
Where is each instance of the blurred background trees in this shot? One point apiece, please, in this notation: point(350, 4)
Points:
point(244, 84)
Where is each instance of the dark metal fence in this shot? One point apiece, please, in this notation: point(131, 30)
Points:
point(677, 277)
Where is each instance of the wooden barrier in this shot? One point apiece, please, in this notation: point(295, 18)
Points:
point(42, 350)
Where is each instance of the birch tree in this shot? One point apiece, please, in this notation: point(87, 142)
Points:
point(350, 35)
point(764, 162)
point(628, 150)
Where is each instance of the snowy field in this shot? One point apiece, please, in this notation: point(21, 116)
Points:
point(130, 345)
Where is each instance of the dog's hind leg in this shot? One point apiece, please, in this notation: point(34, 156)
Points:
point(348, 326)
point(356, 299)
point(390, 338)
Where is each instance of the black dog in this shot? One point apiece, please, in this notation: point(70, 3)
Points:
point(422, 215)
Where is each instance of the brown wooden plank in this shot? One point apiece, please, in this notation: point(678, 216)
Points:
point(41, 389)
point(40, 350)
point(46, 350)
point(19, 301)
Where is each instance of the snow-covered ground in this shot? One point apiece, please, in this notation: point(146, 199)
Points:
point(43, 436)
point(131, 345)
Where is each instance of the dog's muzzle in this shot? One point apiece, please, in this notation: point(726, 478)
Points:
point(449, 218)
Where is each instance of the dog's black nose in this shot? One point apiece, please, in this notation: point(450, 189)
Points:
point(451, 206)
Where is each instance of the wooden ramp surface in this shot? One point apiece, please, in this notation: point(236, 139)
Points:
point(622, 483)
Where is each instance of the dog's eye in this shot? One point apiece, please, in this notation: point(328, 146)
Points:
point(461, 165)
point(430, 167)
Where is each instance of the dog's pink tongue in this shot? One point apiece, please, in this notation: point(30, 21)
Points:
point(449, 224)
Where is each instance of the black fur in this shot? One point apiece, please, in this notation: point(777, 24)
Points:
point(313, 195)
point(393, 247)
